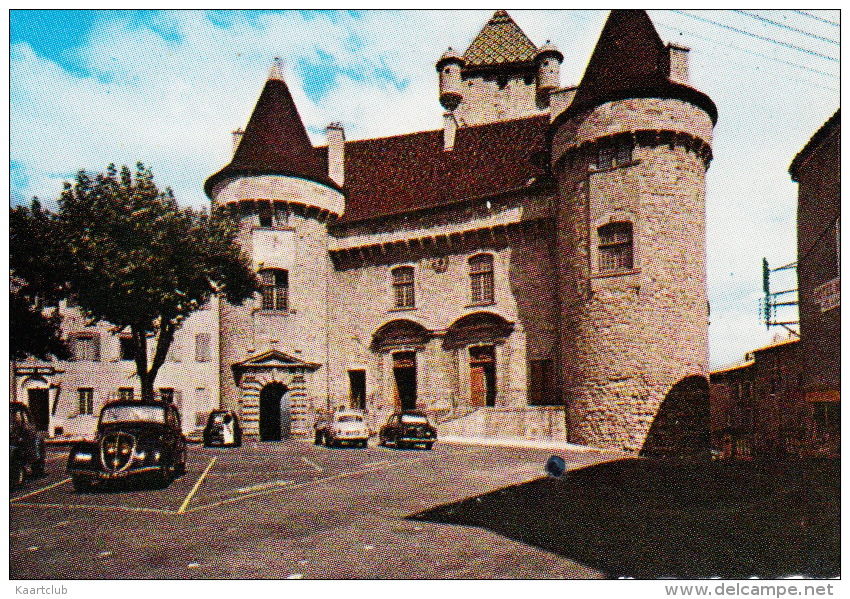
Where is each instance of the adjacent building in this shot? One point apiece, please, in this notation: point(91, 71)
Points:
point(817, 170)
point(535, 268)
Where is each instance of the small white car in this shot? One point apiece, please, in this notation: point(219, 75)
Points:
point(343, 427)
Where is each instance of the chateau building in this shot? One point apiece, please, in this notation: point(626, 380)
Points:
point(535, 268)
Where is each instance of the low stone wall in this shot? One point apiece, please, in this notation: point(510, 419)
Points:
point(543, 423)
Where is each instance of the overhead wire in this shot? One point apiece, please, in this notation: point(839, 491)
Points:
point(817, 18)
point(788, 27)
point(756, 36)
point(754, 53)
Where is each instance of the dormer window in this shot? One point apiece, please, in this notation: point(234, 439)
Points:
point(615, 247)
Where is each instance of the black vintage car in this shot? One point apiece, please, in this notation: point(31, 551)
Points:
point(408, 428)
point(222, 429)
point(133, 439)
point(26, 446)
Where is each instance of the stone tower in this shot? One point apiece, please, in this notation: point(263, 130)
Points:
point(274, 348)
point(630, 153)
point(502, 75)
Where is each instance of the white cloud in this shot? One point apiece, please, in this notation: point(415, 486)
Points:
point(172, 100)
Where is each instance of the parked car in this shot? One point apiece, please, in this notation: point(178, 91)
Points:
point(26, 446)
point(343, 427)
point(134, 439)
point(223, 429)
point(408, 428)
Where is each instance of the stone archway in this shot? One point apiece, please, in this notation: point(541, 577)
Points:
point(274, 412)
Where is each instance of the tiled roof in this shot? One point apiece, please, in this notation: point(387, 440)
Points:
point(501, 41)
point(398, 174)
point(631, 61)
point(275, 142)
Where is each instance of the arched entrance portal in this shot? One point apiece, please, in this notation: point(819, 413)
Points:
point(274, 412)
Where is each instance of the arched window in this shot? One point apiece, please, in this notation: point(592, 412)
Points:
point(481, 279)
point(275, 289)
point(403, 287)
point(615, 247)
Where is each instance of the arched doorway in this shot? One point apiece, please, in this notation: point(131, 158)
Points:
point(274, 412)
point(38, 400)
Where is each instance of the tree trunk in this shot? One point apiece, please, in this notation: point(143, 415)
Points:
point(140, 341)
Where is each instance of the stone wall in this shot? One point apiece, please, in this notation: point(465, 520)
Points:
point(524, 294)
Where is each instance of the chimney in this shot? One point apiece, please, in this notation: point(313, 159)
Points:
point(449, 131)
point(678, 62)
point(237, 137)
point(336, 153)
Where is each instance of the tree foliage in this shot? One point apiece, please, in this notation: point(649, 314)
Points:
point(134, 258)
point(37, 285)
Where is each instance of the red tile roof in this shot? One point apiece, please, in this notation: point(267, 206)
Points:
point(501, 41)
point(275, 142)
point(398, 174)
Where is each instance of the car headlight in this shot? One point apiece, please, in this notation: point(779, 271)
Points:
point(82, 457)
point(156, 456)
point(140, 455)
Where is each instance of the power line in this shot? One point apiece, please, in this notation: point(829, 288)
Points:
point(817, 18)
point(784, 26)
point(755, 35)
point(765, 56)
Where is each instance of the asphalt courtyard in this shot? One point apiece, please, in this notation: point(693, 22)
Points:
point(285, 510)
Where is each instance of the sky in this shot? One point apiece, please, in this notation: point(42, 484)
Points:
point(89, 88)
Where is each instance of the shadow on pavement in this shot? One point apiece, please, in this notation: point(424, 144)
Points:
point(653, 518)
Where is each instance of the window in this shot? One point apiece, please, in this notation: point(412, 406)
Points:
point(614, 153)
point(202, 347)
point(125, 394)
point(357, 385)
point(86, 400)
point(481, 279)
point(403, 287)
point(86, 347)
point(127, 349)
point(275, 289)
point(166, 395)
point(615, 247)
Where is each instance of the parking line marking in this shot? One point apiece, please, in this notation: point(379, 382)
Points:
point(317, 481)
point(380, 463)
point(262, 486)
point(312, 464)
point(78, 506)
point(195, 488)
point(61, 482)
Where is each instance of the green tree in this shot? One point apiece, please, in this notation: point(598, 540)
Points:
point(36, 285)
point(137, 260)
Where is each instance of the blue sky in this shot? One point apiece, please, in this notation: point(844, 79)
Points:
point(92, 87)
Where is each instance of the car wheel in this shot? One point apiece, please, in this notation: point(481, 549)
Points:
point(37, 468)
point(400, 445)
point(16, 475)
point(328, 441)
point(81, 484)
point(318, 438)
point(364, 443)
point(429, 445)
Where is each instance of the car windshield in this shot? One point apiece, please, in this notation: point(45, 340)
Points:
point(350, 418)
point(414, 419)
point(133, 414)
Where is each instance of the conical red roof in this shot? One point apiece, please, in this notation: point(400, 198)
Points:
point(275, 142)
point(631, 61)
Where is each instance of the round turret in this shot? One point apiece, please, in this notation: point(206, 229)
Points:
point(630, 157)
point(451, 82)
point(548, 60)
